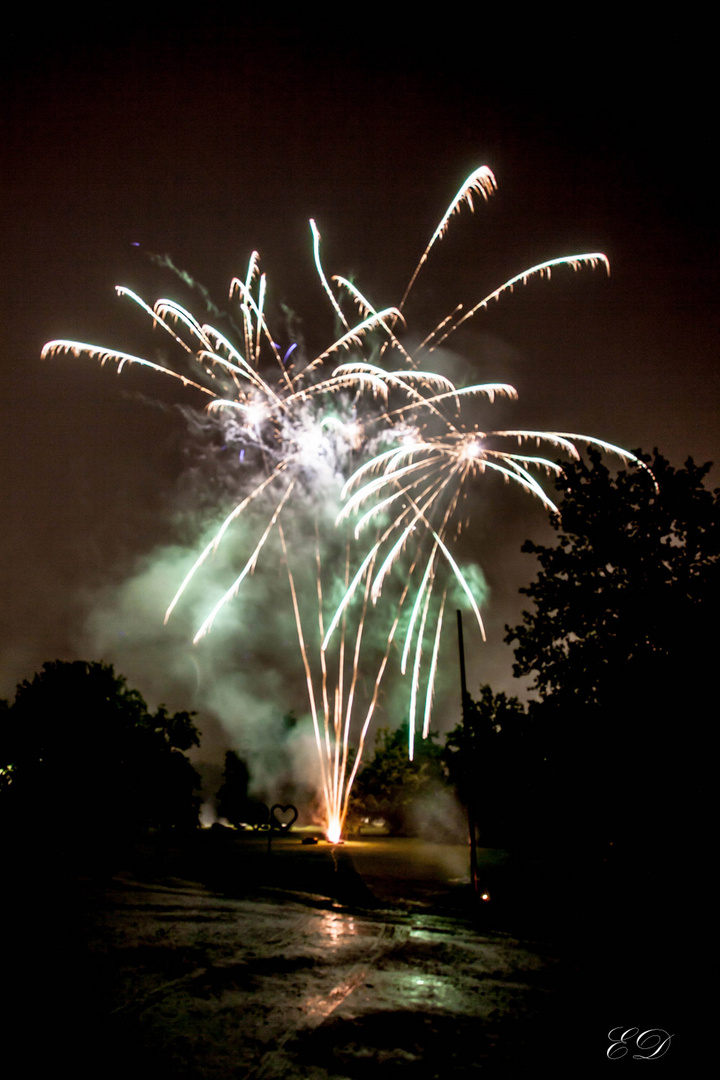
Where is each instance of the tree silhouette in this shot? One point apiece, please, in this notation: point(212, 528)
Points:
point(620, 640)
point(390, 785)
point(79, 751)
point(232, 797)
point(492, 761)
point(634, 567)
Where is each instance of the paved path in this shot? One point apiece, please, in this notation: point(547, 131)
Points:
point(279, 988)
point(218, 960)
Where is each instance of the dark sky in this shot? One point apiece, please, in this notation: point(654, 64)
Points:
point(209, 137)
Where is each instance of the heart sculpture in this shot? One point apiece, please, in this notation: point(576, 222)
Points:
point(288, 817)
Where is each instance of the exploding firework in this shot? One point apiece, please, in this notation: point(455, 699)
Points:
point(420, 486)
point(375, 449)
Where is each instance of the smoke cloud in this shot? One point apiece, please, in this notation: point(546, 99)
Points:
point(246, 677)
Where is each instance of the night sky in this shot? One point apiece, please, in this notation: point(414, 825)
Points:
point(205, 139)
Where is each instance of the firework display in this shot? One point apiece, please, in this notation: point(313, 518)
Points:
point(386, 448)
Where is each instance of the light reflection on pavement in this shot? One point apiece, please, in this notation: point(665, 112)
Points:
point(211, 986)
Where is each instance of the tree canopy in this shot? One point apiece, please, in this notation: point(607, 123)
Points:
point(619, 638)
point(233, 801)
point(80, 750)
point(390, 785)
point(628, 587)
point(491, 758)
point(232, 796)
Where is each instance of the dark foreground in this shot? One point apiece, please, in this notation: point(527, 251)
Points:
point(214, 958)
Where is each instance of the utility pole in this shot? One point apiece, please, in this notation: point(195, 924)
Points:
point(467, 758)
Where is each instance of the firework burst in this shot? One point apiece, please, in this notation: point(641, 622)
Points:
point(376, 450)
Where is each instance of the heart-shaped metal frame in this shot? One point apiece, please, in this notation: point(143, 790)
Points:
point(276, 823)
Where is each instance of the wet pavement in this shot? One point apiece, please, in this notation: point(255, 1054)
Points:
point(213, 986)
point(312, 962)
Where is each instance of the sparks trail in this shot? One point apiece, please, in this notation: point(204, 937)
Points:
point(382, 450)
point(418, 486)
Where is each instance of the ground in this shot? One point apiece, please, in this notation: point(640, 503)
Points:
point(218, 957)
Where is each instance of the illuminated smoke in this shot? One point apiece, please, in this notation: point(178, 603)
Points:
point(349, 471)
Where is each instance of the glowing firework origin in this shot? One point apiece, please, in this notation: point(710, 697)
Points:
point(389, 441)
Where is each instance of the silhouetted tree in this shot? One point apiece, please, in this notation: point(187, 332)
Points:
point(621, 638)
point(492, 760)
point(232, 797)
point(80, 752)
point(390, 785)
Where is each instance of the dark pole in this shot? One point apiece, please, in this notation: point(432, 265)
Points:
point(466, 757)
